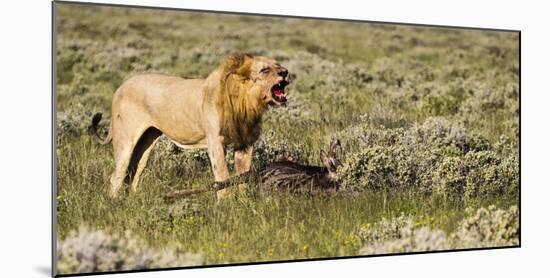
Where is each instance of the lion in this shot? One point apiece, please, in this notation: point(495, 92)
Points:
point(224, 109)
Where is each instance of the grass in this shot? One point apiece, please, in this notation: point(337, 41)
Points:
point(276, 227)
point(365, 78)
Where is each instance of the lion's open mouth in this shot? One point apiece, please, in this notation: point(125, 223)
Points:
point(278, 91)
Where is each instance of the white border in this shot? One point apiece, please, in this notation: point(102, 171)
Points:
point(25, 137)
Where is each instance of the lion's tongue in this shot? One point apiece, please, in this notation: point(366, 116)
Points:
point(279, 95)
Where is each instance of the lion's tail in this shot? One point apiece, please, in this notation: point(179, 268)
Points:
point(92, 130)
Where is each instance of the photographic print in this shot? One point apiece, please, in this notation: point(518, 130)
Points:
point(191, 138)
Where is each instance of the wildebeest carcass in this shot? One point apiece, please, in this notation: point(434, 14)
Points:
point(282, 175)
point(295, 177)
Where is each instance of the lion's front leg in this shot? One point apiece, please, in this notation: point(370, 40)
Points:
point(243, 160)
point(217, 158)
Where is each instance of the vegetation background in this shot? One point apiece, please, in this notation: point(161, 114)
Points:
point(428, 118)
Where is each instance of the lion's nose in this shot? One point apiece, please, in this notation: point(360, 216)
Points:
point(283, 72)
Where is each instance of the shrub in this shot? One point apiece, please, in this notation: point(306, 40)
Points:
point(449, 176)
point(441, 103)
point(484, 227)
point(488, 227)
point(88, 250)
point(297, 112)
point(387, 229)
point(423, 239)
point(400, 235)
point(74, 122)
point(371, 168)
point(483, 175)
point(181, 162)
point(436, 156)
point(268, 149)
point(317, 74)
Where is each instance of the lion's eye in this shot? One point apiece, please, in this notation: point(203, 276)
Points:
point(265, 70)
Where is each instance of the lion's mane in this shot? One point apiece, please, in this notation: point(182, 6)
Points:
point(240, 110)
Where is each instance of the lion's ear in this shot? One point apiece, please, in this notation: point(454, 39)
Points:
point(244, 70)
point(237, 64)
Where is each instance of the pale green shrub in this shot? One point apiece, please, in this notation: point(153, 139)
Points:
point(180, 162)
point(418, 240)
point(267, 149)
point(400, 234)
point(488, 227)
point(74, 122)
point(89, 250)
point(387, 229)
point(436, 156)
point(484, 227)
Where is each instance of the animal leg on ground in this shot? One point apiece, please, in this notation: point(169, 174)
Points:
point(124, 144)
point(217, 158)
point(122, 159)
point(140, 155)
point(243, 160)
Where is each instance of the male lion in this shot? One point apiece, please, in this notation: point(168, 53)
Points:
point(224, 109)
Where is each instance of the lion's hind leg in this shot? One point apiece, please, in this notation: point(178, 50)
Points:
point(125, 149)
point(140, 155)
point(122, 159)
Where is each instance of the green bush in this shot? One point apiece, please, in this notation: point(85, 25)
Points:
point(387, 229)
point(484, 227)
point(399, 235)
point(268, 149)
point(180, 162)
point(436, 157)
point(442, 103)
point(74, 122)
point(488, 227)
point(89, 250)
point(488, 175)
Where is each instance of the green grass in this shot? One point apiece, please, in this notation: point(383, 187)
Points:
point(249, 228)
point(348, 75)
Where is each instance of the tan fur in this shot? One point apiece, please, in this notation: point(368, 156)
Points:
point(225, 109)
point(242, 111)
